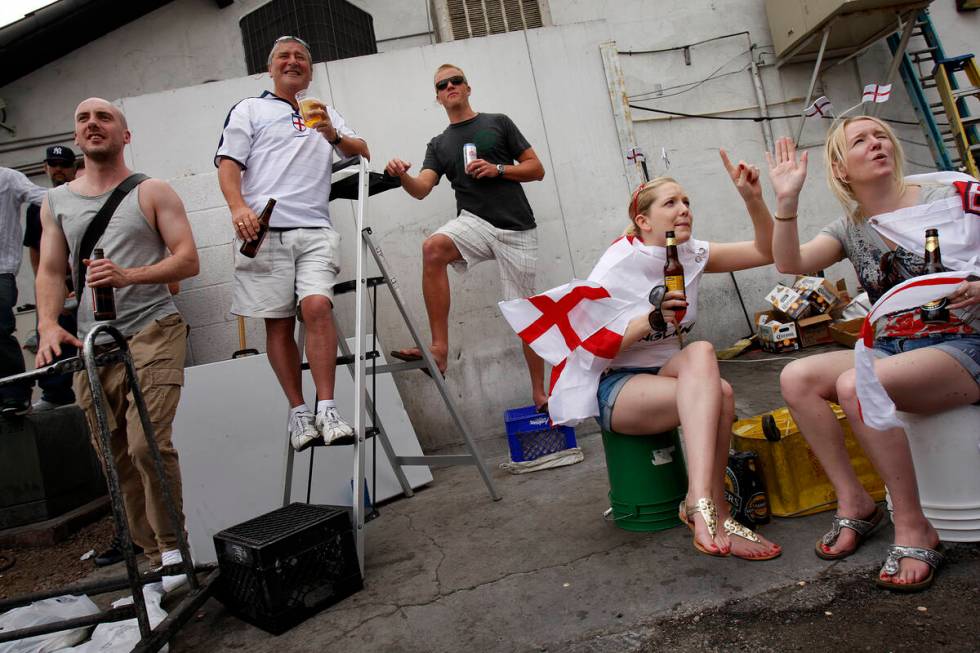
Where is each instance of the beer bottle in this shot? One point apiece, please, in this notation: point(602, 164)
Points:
point(251, 248)
point(674, 273)
point(935, 312)
point(103, 297)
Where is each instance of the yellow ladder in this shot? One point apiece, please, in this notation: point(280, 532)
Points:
point(963, 125)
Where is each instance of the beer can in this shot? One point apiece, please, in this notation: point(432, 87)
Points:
point(469, 154)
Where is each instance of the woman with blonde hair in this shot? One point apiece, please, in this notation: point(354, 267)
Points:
point(923, 367)
point(650, 384)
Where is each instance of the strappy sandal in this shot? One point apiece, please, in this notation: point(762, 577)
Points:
point(732, 527)
point(863, 528)
point(706, 508)
point(931, 557)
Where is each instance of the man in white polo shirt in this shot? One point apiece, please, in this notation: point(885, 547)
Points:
point(266, 151)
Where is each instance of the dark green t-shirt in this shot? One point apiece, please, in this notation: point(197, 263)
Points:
point(499, 201)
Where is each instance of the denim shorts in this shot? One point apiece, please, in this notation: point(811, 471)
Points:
point(964, 348)
point(610, 384)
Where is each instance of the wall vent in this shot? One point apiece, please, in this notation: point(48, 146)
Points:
point(463, 19)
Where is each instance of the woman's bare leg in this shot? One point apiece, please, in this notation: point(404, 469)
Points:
point(681, 393)
point(739, 546)
point(923, 381)
point(807, 385)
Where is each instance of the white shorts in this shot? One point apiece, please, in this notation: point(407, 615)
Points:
point(516, 252)
point(290, 266)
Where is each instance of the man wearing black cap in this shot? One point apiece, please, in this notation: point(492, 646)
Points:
point(59, 165)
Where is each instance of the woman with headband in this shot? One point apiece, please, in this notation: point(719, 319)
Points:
point(921, 367)
point(650, 384)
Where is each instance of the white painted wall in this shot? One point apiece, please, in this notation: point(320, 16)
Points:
point(534, 77)
point(549, 80)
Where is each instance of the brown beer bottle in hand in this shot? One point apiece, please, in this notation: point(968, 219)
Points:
point(103, 297)
point(935, 312)
point(251, 247)
point(674, 273)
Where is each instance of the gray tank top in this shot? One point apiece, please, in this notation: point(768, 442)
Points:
point(128, 241)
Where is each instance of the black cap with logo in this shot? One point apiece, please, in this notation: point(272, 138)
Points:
point(59, 154)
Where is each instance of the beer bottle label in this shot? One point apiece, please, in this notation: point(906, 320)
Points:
point(671, 241)
point(674, 282)
point(935, 304)
point(932, 243)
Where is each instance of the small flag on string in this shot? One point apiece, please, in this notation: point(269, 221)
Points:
point(820, 107)
point(664, 158)
point(635, 155)
point(876, 93)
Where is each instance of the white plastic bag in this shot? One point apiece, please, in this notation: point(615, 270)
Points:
point(122, 636)
point(44, 612)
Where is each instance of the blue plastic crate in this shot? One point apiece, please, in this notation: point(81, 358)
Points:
point(530, 437)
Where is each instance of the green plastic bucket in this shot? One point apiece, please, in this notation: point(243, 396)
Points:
point(647, 479)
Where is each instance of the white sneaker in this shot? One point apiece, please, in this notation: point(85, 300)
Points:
point(42, 405)
point(333, 429)
point(303, 432)
point(170, 583)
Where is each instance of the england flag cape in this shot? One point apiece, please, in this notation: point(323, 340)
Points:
point(958, 221)
point(578, 327)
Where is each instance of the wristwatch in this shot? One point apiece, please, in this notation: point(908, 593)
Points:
point(500, 169)
point(337, 140)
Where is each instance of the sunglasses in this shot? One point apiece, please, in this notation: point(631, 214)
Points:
point(292, 38)
point(455, 80)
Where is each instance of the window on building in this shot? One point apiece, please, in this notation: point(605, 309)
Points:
point(335, 29)
point(463, 19)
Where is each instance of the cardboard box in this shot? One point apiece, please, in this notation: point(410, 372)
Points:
point(814, 330)
point(819, 292)
point(778, 337)
point(846, 332)
point(788, 301)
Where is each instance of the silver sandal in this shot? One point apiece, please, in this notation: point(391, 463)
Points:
point(862, 527)
point(896, 552)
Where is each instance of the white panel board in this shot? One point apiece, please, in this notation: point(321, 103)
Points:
point(230, 430)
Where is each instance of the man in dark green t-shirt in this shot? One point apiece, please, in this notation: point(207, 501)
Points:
point(495, 220)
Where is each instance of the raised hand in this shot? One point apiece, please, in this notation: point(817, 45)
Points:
point(786, 173)
point(744, 176)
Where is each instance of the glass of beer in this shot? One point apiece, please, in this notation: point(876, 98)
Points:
point(309, 101)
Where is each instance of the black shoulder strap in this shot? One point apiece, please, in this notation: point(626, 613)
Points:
point(99, 223)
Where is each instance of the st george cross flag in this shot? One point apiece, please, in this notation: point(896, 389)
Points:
point(877, 408)
point(821, 106)
point(876, 93)
point(578, 328)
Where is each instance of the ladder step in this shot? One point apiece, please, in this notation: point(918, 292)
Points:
point(970, 120)
point(924, 50)
point(350, 286)
point(965, 92)
point(348, 360)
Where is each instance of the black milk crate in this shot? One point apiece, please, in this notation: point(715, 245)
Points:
point(287, 565)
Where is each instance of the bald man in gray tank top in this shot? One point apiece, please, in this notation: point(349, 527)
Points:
point(148, 222)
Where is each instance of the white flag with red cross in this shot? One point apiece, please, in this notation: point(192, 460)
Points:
point(876, 408)
point(578, 328)
point(876, 93)
point(820, 107)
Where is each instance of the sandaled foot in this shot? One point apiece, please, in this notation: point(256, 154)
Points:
point(749, 545)
point(863, 528)
point(705, 509)
point(415, 354)
point(890, 577)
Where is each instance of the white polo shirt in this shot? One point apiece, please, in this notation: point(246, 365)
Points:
point(281, 158)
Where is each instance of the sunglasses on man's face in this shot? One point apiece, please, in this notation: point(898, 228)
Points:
point(456, 80)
